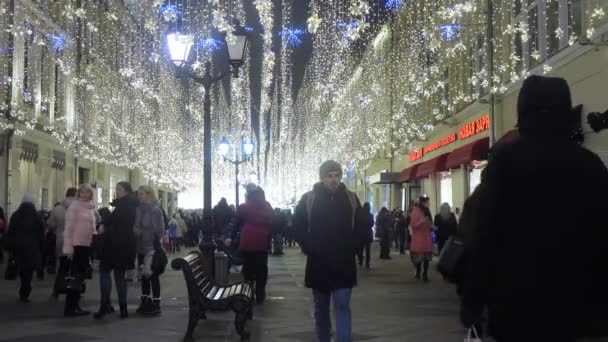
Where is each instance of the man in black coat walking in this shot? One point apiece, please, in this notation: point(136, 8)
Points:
point(117, 249)
point(540, 272)
point(25, 241)
point(330, 227)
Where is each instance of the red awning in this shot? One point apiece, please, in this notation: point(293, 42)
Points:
point(509, 137)
point(408, 174)
point(467, 153)
point(434, 165)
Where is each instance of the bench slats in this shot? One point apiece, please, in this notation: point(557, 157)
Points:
point(206, 289)
point(219, 293)
point(201, 284)
point(228, 292)
point(211, 293)
point(198, 276)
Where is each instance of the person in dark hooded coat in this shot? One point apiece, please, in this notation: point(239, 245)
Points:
point(26, 243)
point(117, 249)
point(541, 275)
point(222, 216)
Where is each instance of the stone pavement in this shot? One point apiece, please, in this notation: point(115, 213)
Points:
point(388, 305)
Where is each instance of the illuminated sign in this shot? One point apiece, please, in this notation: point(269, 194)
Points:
point(415, 155)
point(480, 125)
point(440, 143)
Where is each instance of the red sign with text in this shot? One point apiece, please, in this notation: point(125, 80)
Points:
point(440, 143)
point(480, 125)
point(415, 155)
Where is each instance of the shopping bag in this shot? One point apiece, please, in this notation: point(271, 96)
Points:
point(472, 335)
point(68, 281)
point(159, 260)
point(451, 258)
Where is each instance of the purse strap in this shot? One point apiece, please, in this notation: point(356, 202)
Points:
point(474, 331)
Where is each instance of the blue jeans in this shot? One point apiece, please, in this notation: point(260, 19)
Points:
point(105, 283)
point(341, 299)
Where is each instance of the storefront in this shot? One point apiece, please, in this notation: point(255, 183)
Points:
point(452, 168)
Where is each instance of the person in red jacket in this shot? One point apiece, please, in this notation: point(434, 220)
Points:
point(253, 221)
point(421, 247)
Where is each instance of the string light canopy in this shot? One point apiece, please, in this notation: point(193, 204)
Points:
point(357, 101)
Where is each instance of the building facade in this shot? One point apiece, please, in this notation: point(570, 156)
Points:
point(59, 125)
point(562, 38)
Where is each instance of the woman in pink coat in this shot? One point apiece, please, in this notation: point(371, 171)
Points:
point(77, 238)
point(421, 247)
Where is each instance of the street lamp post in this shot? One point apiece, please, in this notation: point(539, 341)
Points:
point(179, 48)
point(247, 152)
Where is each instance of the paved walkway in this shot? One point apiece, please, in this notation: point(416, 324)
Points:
point(388, 305)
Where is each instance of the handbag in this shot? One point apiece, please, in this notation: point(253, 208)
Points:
point(159, 260)
point(69, 282)
point(11, 270)
point(451, 257)
point(472, 335)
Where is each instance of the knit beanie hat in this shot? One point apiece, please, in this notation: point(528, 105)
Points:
point(28, 198)
point(329, 166)
point(544, 107)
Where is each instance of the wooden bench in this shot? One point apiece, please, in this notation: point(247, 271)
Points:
point(204, 295)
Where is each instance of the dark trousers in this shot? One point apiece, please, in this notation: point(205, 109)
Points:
point(64, 263)
point(255, 268)
point(440, 243)
point(396, 235)
point(79, 267)
point(149, 283)
point(277, 242)
point(402, 240)
point(105, 285)
point(25, 276)
point(385, 247)
point(367, 249)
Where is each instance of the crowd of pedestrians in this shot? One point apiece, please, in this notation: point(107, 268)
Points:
point(132, 231)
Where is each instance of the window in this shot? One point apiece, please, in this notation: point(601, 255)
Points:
point(534, 54)
point(575, 18)
point(56, 112)
point(472, 87)
point(475, 169)
point(519, 52)
point(26, 66)
point(480, 60)
point(552, 24)
point(446, 92)
point(45, 82)
point(445, 188)
point(517, 6)
point(526, 44)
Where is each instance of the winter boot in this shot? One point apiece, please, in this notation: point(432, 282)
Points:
point(72, 307)
point(418, 269)
point(153, 307)
point(425, 272)
point(104, 309)
point(143, 304)
point(123, 311)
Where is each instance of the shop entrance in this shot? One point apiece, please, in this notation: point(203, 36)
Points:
point(414, 194)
